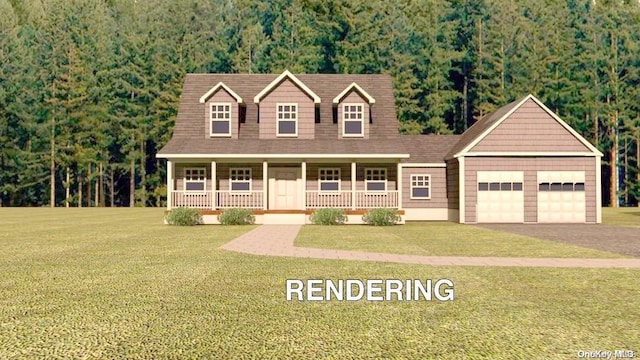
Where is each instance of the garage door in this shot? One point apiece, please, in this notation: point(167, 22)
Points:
point(561, 196)
point(500, 197)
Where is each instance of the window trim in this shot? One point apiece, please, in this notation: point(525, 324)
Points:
point(211, 105)
point(427, 179)
point(320, 181)
point(278, 134)
point(344, 121)
point(231, 182)
point(203, 181)
point(366, 181)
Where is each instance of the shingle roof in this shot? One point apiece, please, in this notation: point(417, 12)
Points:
point(480, 127)
point(189, 134)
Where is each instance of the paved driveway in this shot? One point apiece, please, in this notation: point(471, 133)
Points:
point(617, 239)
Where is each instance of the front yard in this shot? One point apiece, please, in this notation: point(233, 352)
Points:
point(116, 283)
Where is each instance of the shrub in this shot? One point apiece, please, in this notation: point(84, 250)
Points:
point(381, 217)
point(183, 216)
point(328, 216)
point(236, 216)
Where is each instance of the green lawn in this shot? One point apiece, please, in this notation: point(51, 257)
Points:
point(439, 239)
point(629, 216)
point(116, 283)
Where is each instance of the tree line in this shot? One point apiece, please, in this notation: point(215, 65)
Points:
point(89, 88)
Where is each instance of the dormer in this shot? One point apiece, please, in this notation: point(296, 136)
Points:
point(354, 105)
point(286, 109)
point(222, 112)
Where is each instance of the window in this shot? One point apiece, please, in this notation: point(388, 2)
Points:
point(329, 180)
point(376, 179)
point(195, 179)
point(500, 186)
point(420, 186)
point(352, 120)
point(220, 119)
point(287, 120)
point(240, 179)
point(557, 186)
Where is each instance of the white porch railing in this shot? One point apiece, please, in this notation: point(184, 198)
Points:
point(372, 199)
point(247, 200)
point(320, 199)
point(192, 199)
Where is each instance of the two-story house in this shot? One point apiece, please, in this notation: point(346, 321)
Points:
point(284, 145)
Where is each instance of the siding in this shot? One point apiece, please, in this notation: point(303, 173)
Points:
point(312, 175)
point(287, 92)
point(453, 181)
point(438, 188)
point(530, 167)
point(530, 128)
point(222, 96)
point(354, 98)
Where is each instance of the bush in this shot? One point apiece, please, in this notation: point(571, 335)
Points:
point(328, 216)
point(183, 216)
point(236, 216)
point(381, 217)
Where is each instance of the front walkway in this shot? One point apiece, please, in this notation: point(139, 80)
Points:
point(277, 240)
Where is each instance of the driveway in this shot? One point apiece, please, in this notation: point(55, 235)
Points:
point(617, 239)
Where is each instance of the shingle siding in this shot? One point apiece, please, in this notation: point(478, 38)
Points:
point(438, 188)
point(453, 181)
point(222, 96)
point(287, 92)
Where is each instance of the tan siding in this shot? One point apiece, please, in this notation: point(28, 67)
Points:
point(287, 92)
point(453, 184)
point(354, 98)
point(530, 128)
point(223, 172)
point(222, 96)
point(392, 175)
point(312, 175)
point(530, 167)
point(438, 188)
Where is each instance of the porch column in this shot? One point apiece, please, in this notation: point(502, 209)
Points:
point(399, 185)
point(265, 184)
point(304, 185)
point(169, 184)
point(353, 185)
point(214, 176)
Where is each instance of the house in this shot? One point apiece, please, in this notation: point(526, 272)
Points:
point(284, 145)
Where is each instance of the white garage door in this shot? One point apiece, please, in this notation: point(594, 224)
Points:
point(561, 197)
point(500, 197)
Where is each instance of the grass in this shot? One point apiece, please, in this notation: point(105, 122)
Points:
point(621, 216)
point(116, 283)
point(439, 239)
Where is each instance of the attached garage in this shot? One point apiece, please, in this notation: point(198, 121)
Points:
point(523, 164)
point(500, 197)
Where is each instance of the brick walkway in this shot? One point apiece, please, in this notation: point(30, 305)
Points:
point(277, 240)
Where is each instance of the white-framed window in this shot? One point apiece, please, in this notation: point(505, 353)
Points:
point(195, 179)
point(375, 179)
point(287, 120)
point(352, 120)
point(220, 119)
point(329, 179)
point(420, 186)
point(240, 179)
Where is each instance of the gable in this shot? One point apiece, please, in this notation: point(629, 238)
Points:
point(286, 75)
point(530, 128)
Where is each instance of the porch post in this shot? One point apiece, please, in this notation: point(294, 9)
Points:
point(399, 185)
point(265, 184)
point(304, 185)
point(169, 184)
point(214, 176)
point(353, 185)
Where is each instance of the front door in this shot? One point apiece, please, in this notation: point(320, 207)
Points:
point(284, 188)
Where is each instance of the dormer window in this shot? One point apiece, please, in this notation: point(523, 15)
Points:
point(287, 120)
point(220, 119)
point(353, 120)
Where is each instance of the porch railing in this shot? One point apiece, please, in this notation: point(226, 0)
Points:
point(192, 199)
point(372, 199)
point(320, 199)
point(342, 199)
point(247, 200)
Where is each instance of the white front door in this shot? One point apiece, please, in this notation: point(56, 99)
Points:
point(284, 188)
point(500, 197)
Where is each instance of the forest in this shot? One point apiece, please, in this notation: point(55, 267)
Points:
point(89, 88)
